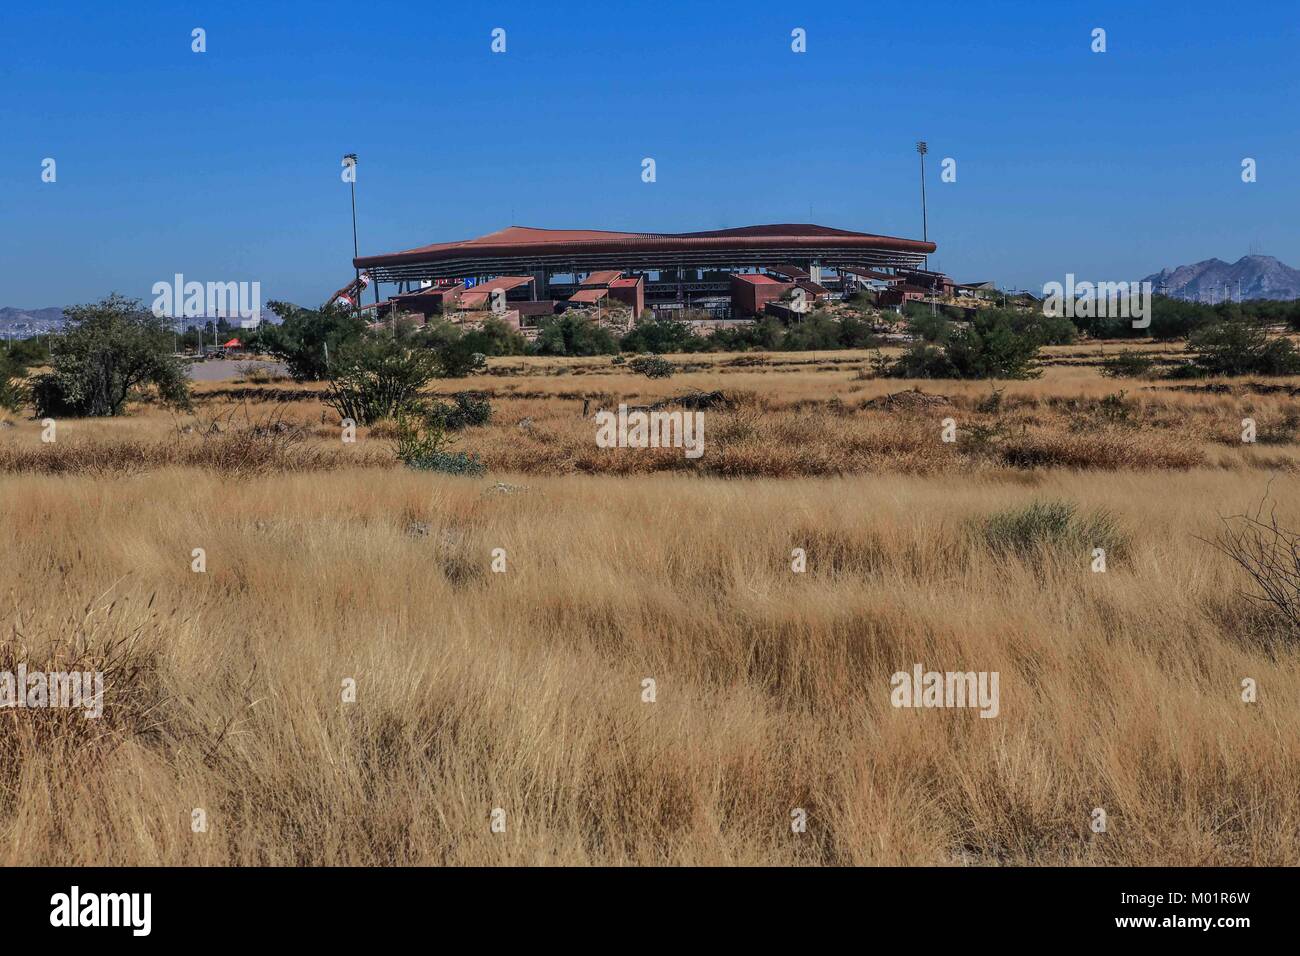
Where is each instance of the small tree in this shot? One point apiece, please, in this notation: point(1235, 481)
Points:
point(307, 340)
point(113, 350)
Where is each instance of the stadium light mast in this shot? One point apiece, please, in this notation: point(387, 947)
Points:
point(922, 149)
point(351, 160)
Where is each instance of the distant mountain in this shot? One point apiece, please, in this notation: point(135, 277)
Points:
point(1250, 277)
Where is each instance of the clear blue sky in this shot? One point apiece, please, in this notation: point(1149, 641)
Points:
point(225, 165)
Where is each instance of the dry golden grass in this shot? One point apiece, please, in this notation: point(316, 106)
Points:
point(522, 690)
point(793, 415)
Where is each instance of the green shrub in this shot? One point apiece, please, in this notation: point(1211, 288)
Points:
point(379, 377)
point(1128, 365)
point(1242, 348)
point(571, 334)
point(921, 360)
point(14, 390)
point(1044, 528)
point(450, 463)
point(926, 326)
point(465, 410)
point(988, 347)
point(651, 366)
point(659, 335)
point(423, 444)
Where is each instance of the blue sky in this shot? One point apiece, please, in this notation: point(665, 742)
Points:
point(224, 165)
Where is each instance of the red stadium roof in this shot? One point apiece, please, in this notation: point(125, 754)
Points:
point(529, 243)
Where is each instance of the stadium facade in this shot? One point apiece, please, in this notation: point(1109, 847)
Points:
point(715, 271)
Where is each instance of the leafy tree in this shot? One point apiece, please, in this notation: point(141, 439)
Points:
point(112, 351)
point(1175, 319)
point(307, 340)
point(855, 333)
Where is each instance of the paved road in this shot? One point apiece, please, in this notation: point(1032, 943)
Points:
point(222, 370)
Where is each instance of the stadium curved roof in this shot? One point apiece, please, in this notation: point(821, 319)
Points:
point(522, 248)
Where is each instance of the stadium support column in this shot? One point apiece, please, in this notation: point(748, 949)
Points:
point(539, 284)
point(815, 272)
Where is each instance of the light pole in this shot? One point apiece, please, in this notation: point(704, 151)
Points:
point(922, 148)
point(350, 160)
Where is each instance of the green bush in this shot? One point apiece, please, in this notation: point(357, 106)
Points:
point(465, 410)
point(659, 335)
point(651, 366)
point(422, 443)
point(27, 353)
point(1128, 365)
point(1045, 528)
point(921, 360)
point(14, 390)
point(570, 334)
point(1042, 329)
point(988, 347)
point(379, 376)
point(927, 326)
point(1242, 348)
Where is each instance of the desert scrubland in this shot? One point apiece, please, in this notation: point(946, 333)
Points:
point(328, 562)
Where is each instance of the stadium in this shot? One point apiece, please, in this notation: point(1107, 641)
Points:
point(725, 273)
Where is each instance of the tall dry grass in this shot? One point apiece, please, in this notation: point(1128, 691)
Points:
point(522, 690)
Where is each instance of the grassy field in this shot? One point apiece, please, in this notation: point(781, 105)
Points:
point(327, 562)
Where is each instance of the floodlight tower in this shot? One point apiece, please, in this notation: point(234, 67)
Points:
point(351, 160)
point(922, 148)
